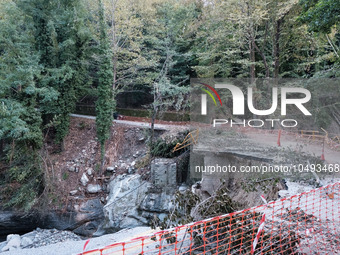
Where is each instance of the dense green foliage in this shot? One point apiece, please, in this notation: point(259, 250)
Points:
point(104, 106)
point(320, 15)
point(52, 53)
point(163, 147)
point(20, 122)
point(61, 39)
point(45, 55)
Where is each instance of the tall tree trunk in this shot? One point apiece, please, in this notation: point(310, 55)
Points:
point(251, 45)
point(277, 48)
point(266, 67)
point(102, 158)
point(252, 60)
point(115, 60)
point(154, 115)
point(153, 119)
point(2, 142)
point(252, 67)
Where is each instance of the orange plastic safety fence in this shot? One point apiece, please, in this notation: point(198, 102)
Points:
point(307, 223)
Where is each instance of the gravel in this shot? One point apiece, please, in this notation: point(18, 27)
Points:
point(54, 242)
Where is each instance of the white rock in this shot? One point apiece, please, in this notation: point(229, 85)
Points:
point(12, 249)
point(182, 188)
point(84, 179)
point(25, 241)
point(10, 237)
point(94, 188)
point(162, 216)
point(90, 171)
point(130, 190)
point(110, 169)
point(13, 242)
point(72, 169)
point(73, 192)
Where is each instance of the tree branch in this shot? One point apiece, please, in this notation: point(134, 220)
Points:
point(330, 42)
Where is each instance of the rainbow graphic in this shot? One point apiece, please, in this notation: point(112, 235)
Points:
point(204, 98)
point(211, 95)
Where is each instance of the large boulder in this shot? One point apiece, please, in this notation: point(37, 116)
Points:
point(157, 202)
point(127, 193)
point(133, 202)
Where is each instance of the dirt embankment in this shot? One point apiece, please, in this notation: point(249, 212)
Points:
point(81, 156)
point(125, 150)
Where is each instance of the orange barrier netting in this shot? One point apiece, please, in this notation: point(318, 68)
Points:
point(307, 223)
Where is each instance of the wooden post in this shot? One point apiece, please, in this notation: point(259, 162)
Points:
point(323, 150)
point(279, 138)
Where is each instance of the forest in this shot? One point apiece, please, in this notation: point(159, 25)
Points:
point(55, 53)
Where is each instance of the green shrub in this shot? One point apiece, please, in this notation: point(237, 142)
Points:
point(23, 181)
point(163, 147)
